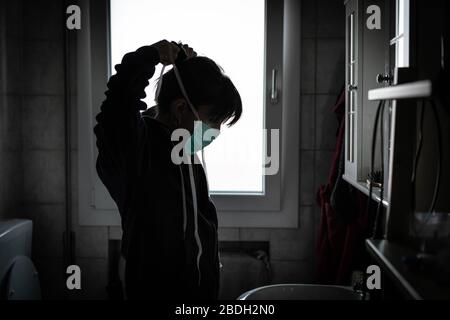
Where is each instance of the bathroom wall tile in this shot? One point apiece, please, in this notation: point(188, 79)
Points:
point(43, 176)
point(114, 233)
point(11, 181)
point(307, 220)
point(44, 20)
point(74, 122)
point(52, 278)
point(315, 241)
point(46, 74)
point(74, 176)
point(228, 234)
point(13, 65)
point(316, 212)
point(4, 207)
point(11, 123)
point(75, 213)
point(48, 228)
point(254, 234)
point(292, 272)
point(91, 242)
point(4, 203)
point(308, 122)
point(307, 192)
point(330, 65)
point(326, 122)
point(13, 20)
point(308, 225)
point(43, 122)
point(73, 62)
point(75, 187)
point(240, 273)
point(309, 18)
point(308, 66)
point(94, 275)
point(331, 18)
point(2, 70)
point(2, 19)
point(15, 176)
point(317, 217)
point(3, 106)
point(290, 244)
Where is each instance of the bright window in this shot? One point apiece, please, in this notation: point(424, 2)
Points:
point(232, 34)
point(401, 40)
point(263, 62)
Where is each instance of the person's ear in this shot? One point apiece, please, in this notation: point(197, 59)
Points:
point(179, 108)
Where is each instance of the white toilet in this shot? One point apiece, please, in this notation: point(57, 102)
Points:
point(19, 279)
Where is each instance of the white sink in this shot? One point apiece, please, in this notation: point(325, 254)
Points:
point(300, 292)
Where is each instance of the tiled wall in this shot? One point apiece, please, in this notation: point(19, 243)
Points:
point(10, 109)
point(32, 179)
point(43, 139)
point(323, 76)
point(32, 143)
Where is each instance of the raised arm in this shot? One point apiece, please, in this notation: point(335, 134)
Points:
point(120, 129)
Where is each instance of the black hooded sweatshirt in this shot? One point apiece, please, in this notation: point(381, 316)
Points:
point(134, 163)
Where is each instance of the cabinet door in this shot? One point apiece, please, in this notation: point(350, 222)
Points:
point(374, 74)
point(367, 46)
point(351, 80)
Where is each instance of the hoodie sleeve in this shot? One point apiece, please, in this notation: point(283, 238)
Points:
point(120, 129)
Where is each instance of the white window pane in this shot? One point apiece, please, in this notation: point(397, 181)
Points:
point(402, 54)
point(401, 16)
point(232, 34)
point(402, 37)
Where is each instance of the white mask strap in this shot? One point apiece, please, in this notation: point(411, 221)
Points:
point(158, 88)
point(183, 91)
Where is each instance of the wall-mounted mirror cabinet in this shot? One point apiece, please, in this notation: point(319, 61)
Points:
point(377, 41)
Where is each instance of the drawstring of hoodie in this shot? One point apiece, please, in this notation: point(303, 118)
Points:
point(183, 192)
point(191, 174)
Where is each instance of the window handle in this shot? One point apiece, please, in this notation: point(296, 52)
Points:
point(274, 90)
point(384, 78)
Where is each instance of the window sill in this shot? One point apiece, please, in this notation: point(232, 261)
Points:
point(361, 186)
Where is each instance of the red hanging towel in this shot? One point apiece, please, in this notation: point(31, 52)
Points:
point(344, 225)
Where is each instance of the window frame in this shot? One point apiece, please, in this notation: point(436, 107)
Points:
point(279, 207)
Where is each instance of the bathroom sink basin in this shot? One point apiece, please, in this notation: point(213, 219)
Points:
point(301, 292)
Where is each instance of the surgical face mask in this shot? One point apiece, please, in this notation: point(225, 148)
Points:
point(201, 137)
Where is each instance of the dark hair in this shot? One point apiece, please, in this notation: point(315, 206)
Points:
point(205, 84)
